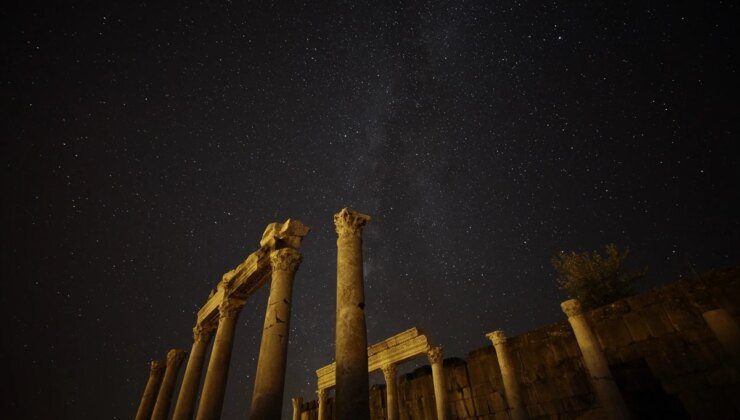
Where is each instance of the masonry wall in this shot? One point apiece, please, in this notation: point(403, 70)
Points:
point(665, 359)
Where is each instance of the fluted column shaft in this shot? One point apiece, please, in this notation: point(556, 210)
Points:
point(726, 330)
point(185, 406)
point(352, 393)
point(162, 407)
point(150, 391)
point(391, 393)
point(322, 404)
point(269, 382)
point(606, 390)
point(508, 374)
point(438, 378)
point(214, 386)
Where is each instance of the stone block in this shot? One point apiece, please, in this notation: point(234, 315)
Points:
point(636, 326)
point(612, 334)
point(657, 321)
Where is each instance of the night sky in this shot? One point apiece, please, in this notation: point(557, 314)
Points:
point(145, 148)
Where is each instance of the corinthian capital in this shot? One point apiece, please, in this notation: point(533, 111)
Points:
point(435, 355)
point(175, 357)
point(389, 370)
point(571, 307)
point(286, 259)
point(230, 307)
point(202, 332)
point(155, 367)
point(497, 337)
point(349, 222)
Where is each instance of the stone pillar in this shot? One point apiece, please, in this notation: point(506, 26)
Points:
point(185, 406)
point(606, 390)
point(508, 374)
point(150, 392)
point(297, 405)
point(162, 407)
point(725, 328)
point(214, 386)
point(391, 394)
point(267, 397)
point(352, 392)
point(438, 377)
point(322, 404)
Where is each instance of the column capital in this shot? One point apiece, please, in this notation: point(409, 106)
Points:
point(389, 370)
point(297, 403)
point(321, 393)
point(155, 367)
point(435, 354)
point(285, 259)
point(175, 357)
point(349, 222)
point(497, 337)
point(572, 307)
point(202, 332)
point(230, 308)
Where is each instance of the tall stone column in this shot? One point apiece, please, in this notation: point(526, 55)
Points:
point(150, 392)
point(725, 328)
point(267, 397)
point(214, 386)
point(391, 393)
point(352, 392)
point(509, 376)
point(438, 378)
point(185, 406)
point(162, 407)
point(606, 390)
point(322, 404)
point(297, 404)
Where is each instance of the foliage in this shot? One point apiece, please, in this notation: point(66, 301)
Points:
point(594, 279)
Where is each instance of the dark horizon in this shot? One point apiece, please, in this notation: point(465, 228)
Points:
point(147, 148)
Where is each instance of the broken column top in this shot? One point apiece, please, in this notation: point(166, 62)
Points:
point(497, 337)
point(284, 235)
point(571, 307)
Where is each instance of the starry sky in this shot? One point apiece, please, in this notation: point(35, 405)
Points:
point(146, 147)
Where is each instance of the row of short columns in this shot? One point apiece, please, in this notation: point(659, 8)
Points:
point(270, 378)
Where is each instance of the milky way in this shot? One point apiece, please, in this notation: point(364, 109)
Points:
point(146, 148)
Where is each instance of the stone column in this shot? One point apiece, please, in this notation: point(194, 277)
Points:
point(606, 390)
point(189, 389)
point(214, 386)
point(352, 392)
point(267, 397)
point(725, 328)
point(322, 404)
point(297, 404)
point(509, 376)
point(391, 394)
point(162, 407)
point(150, 392)
point(438, 377)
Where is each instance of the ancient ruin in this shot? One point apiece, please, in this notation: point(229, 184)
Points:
point(673, 352)
point(386, 356)
point(277, 259)
point(668, 353)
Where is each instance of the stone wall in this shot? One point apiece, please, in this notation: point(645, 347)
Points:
point(664, 358)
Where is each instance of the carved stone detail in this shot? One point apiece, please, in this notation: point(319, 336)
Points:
point(435, 355)
point(349, 222)
point(175, 357)
point(202, 333)
point(389, 370)
point(497, 337)
point(230, 308)
point(286, 259)
point(572, 307)
point(155, 367)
